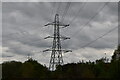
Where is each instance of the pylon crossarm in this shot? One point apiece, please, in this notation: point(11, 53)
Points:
point(46, 50)
point(64, 38)
point(62, 24)
point(48, 37)
point(56, 55)
point(50, 50)
point(50, 24)
point(65, 51)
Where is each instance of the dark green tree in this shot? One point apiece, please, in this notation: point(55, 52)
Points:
point(11, 69)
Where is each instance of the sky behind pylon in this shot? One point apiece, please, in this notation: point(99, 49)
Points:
point(23, 30)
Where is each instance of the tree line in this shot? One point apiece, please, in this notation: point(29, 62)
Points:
point(90, 70)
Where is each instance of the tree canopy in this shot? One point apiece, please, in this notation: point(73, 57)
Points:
point(32, 69)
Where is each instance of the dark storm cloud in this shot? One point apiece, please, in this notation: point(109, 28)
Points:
point(24, 31)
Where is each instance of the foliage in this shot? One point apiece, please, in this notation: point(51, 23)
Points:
point(32, 69)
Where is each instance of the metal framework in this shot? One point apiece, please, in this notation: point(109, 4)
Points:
point(56, 55)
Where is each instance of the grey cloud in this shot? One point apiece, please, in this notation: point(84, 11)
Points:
point(6, 56)
point(23, 27)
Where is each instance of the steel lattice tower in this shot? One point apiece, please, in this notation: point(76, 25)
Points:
point(56, 55)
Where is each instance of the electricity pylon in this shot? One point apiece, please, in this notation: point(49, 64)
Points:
point(56, 55)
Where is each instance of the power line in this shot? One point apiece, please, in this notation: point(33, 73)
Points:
point(90, 19)
point(73, 19)
point(113, 43)
point(58, 8)
point(99, 37)
point(53, 10)
point(81, 8)
point(23, 33)
point(65, 11)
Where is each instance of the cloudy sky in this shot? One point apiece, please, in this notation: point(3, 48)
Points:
point(23, 30)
